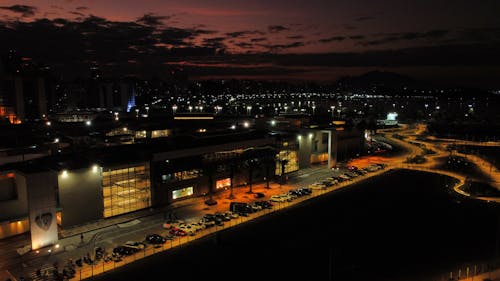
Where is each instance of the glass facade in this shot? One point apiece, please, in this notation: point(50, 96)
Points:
point(293, 161)
point(126, 190)
point(184, 192)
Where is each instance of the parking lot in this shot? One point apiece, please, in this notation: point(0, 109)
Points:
point(202, 221)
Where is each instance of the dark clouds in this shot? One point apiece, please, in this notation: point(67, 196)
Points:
point(25, 11)
point(332, 39)
point(153, 44)
point(259, 39)
point(152, 19)
point(277, 28)
point(244, 33)
point(279, 47)
point(406, 36)
point(364, 18)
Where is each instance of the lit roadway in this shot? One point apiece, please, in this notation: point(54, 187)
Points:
point(440, 148)
point(192, 209)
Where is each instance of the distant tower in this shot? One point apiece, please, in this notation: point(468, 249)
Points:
point(131, 100)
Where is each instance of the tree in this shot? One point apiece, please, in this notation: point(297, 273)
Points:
point(283, 163)
point(209, 170)
point(251, 164)
point(233, 167)
point(269, 163)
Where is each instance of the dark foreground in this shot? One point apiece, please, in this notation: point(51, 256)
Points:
point(405, 225)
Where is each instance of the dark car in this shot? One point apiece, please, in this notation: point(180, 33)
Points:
point(124, 251)
point(305, 190)
point(240, 207)
point(259, 195)
point(264, 204)
point(155, 239)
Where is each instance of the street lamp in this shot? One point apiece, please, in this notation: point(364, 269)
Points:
point(313, 107)
point(249, 110)
point(333, 110)
point(174, 108)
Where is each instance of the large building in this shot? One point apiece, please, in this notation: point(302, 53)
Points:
point(77, 188)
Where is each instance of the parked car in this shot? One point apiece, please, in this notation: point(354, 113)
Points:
point(305, 190)
point(231, 214)
point(177, 232)
point(190, 230)
point(123, 251)
point(345, 176)
point(317, 186)
point(240, 207)
point(278, 198)
point(264, 204)
point(222, 216)
point(207, 223)
point(259, 195)
point(155, 239)
point(256, 207)
point(135, 244)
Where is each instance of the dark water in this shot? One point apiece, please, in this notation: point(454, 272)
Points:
point(402, 226)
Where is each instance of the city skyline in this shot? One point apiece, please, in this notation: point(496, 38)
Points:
point(441, 42)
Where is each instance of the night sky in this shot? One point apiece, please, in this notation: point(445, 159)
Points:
point(442, 41)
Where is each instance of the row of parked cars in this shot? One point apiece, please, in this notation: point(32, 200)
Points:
point(352, 172)
point(178, 228)
point(291, 195)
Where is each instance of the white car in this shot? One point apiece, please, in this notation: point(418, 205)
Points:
point(278, 198)
point(190, 230)
point(231, 214)
point(317, 186)
point(345, 176)
point(332, 180)
point(134, 244)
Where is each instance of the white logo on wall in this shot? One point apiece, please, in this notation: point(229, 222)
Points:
point(44, 220)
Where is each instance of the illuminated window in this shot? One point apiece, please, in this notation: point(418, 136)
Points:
point(141, 134)
point(184, 192)
point(126, 190)
point(292, 161)
point(160, 133)
point(186, 175)
point(223, 183)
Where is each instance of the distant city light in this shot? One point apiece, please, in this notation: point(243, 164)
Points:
point(233, 127)
point(273, 122)
point(392, 116)
point(246, 124)
point(56, 140)
point(64, 173)
point(95, 168)
point(88, 122)
point(48, 123)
